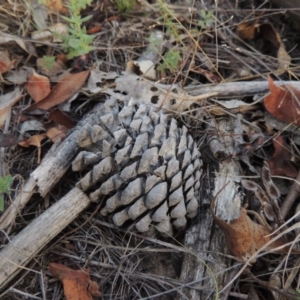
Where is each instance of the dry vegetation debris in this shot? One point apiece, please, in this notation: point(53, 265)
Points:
point(227, 71)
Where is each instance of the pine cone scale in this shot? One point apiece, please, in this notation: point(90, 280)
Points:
point(148, 168)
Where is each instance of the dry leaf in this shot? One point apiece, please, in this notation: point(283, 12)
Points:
point(63, 91)
point(30, 125)
point(35, 140)
point(39, 14)
point(244, 237)
point(283, 103)
point(6, 102)
point(269, 33)
point(61, 118)
point(142, 67)
point(250, 30)
point(52, 34)
point(56, 133)
point(8, 140)
point(56, 5)
point(38, 86)
point(18, 76)
point(5, 63)
point(280, 163)
point(210, 76)
point(246, 30)
point(26, 46)
point(136, 89)
point(77, 283)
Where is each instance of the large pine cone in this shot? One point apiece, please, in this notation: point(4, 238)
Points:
point(147, 168)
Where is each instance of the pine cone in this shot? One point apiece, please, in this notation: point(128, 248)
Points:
point(147, 168)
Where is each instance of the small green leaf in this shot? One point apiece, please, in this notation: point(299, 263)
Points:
point(48, 62)
point(74, 43)
point(77, 42)
point(171, 60)
point(73, 32)
point(5, 183)
point(66, 19)
point(86, 18)
point(87, 39)
point(1, 203)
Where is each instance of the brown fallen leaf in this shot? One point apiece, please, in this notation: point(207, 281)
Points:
point(56, 5)
point(63, 91)
point(77, 283)
point(283, 103)
point(246, 30)
point(210, 76)
point(56, 133)
point(6, 102)
point(280, 163)
point(35, 140)
point(5, 63)
point(61, 118)
point(23, 43)
point(244, 236)
point(58, 126)
point(38, 86)
point(250, 30)
point(269, 33)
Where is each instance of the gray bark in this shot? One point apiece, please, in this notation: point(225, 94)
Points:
point(204, 239)
point(23, 248)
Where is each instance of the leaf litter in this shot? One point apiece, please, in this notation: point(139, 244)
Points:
point(216, 56)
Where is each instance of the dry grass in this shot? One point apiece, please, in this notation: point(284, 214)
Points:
point(126, 265)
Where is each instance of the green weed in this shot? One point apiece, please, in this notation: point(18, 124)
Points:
point(207, 18)
point(171, 57)
point(77, 42)
point(171, 60)
point(48, 62)
point(5, 183)
point(125, 5)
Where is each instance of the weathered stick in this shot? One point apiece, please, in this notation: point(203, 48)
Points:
point(38, 233)
point(291, 197)
point(237, 89)
point(54, 165)
point(203, 239)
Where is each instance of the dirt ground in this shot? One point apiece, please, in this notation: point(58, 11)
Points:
point(55, 69)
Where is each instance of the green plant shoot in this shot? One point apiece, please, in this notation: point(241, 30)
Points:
point(48, 62)
point(5, 183)
point(206, 18)
point(171, 60)
point(77, 42)
point(125, 5)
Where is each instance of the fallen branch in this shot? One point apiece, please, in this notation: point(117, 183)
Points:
point(203, 238)
point(38, 233)
point(237, 89)
point(54, 165)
